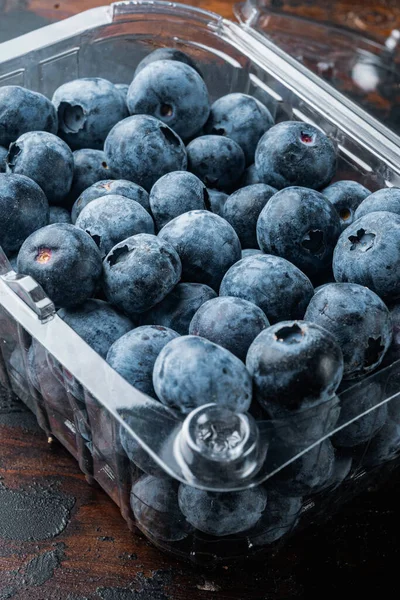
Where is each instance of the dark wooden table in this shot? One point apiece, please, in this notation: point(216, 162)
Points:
point(63, 540)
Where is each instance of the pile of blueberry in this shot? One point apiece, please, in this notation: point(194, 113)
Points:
point(204, 252)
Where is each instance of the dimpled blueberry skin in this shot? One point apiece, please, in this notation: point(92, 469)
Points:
point(64, 260)
point(222, 513)
point(346, 196)
point(98, 323)
point(139, 272)
point(241, 118)
point(88, 108)
point(251, 252)
point(59, 215)
point(302, 226)
point(250, 176)
point(360, 322)
point(368, 253)
point(154, 502)
point(279, 518)
point(108, 187)
point(295, 153)
point(172, 92)
point(216, 160)
point(90, 166)
point(23, 210)
point(217, 201)
point(294, 364)
point(243, 208)
point(167, 54)
point(3, 156)
point(387, 199)
point(143, 149)
point(191, 371)
point(176, 193)
point(46, 159)
point(207, 246)
point(232, 323)
point(111, 219)
point(279, 288)
point(133, 355)
point(178, 308)
point(22, 110)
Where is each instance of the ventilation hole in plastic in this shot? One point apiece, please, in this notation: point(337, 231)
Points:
point(291, 334)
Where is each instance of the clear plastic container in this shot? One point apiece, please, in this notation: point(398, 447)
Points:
point(256, 480)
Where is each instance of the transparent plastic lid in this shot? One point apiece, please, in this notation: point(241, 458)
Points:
point(354, 49)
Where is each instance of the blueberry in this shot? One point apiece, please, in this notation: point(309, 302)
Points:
point(230, 322)
point(134, 451)
point(393, 354)
point(139, 272)
point(243, 208)
point(172, 92)
point(44, 381)
point(167, 54)
point(359, 321)
point(295, 153)
point(88, 108)
point(247, 252)
point(217, 201)
point(191, 371)
point(59, 215)
point(143, 149)
point(111, 219)
point(23, 210)
point(109, 187)
point(178, 308)
point(222, 513)
point(46, 159)
point(3, 156)
point(279, 288)
point(22, 110)
point(384, 446)
point(133, 355)
point(241, 118)
point(387, 200)
point(345, 197)
point(154, 502)
point(123, 89)
point(207, 246)
point(279, 518)
point(176, 193)
point(368, 253)
point(64, 260)
point(90, 166)
point(294, 364)
point(216, 160)
point(250, 176)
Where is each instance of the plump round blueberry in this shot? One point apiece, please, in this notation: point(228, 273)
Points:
point(222, 513)
point(178, 308)
point(368, 253)
point(3, 156)
point(279, 288)
point(191, 371)
point(384, 446)
point(216, 160)
point(251, 252)
point(110, 187)
point(294, 364)
point(139, 272)
point(134, 451)
point(177, 193)
point(22, 110)
point(230, 322)
point(90, 166)
point(346, 196)
point(123, 89)
point(360, 322)
point(143, 149)
point(217, 201)
point(207, 246)
point(87, 109)
point(46, 159)
point(295, 153)
point(111, 219)
point(172, 92)
point(356, 400)
point(241, 118)
point(387, 200)
point(98, 323)
point(250, 176)
point(167, 54)
point(133, 355)
point(302, 226)
point(23, 210)
point(59, 215)
point(243, 208)
point(154, 502)
point(279, 518)
point(64, 260)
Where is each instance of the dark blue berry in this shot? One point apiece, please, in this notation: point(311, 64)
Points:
point(216, 160)
point(90, 166)
point(3, 156)
point(217, 201)
point(59, 215)
point(167, 54)
point(346, 196)
point(278, 519)
point(387, 199)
